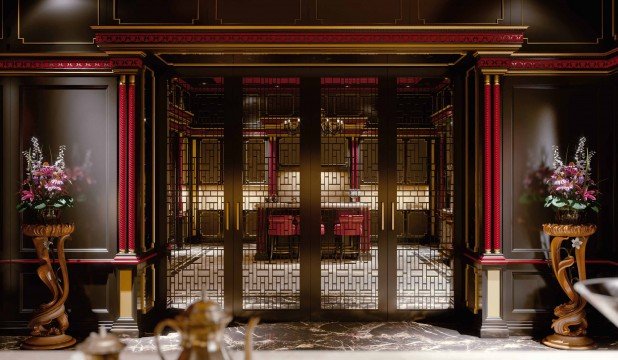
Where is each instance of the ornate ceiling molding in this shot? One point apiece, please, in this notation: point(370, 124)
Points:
point(538, 65)
point(71, 64)
point(311, 39)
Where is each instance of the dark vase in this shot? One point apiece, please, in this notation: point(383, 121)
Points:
point(570, 217)
point(49, 215)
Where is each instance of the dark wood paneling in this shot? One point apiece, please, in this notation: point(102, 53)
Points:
point(156, 11)
point(81, 114)
point(461, 11)
point(273, 12)
point(529, 294)
point(2, 20)
point(541, 112)
point(562, 21)
point(92, 296)
point(57, 22)
point(331, 12)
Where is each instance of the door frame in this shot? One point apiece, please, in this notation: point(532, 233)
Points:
point(310, 161)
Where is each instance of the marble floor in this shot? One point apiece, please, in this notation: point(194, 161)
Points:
point(349, 336)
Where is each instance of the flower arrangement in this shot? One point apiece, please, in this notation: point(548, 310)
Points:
point(570, 186)
point(43, 191)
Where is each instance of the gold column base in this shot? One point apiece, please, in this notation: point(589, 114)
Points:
point(62, 341)
point(564, 342)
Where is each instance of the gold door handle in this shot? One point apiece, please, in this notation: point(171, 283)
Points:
point(227, 215)
point(382, 215)
point(237, 216)
point(392, 216)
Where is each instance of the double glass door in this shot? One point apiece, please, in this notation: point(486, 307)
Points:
point(310, 198)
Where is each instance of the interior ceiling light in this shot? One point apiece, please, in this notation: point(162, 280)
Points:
point(331, 125)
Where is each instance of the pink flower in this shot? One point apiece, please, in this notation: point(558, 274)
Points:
point(51, 187)
point(589, 195)
point(27, 195)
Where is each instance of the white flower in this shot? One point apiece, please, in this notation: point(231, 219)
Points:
point(576, 243)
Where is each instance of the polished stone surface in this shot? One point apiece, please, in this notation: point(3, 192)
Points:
point(349, 336)
point(337, 355)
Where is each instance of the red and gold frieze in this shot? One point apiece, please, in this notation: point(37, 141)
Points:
point(108, 64)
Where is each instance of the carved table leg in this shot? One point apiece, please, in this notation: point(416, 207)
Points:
point(50, 321)
point(570, 325)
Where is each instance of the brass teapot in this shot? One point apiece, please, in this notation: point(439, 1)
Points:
point(201, 329)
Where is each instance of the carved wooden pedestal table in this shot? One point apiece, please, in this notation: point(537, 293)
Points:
point(570, 325)
point(50, 321)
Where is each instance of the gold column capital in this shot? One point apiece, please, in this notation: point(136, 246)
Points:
point(123, 79)
point(487, 79)
point(496, 79)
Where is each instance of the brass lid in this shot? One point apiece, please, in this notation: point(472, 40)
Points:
point(207, 311)
point(102, 343)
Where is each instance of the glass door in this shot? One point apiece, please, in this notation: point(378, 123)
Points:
point(350, 213)
point(196, 196)
point(423, 232)
point(269, 208)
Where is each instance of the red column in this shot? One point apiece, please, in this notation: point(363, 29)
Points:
point(497, 200)
point(131, 164)
point(122, 164)
point(487, 180)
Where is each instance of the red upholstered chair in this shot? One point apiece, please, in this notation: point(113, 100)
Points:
point(352, 227)
point(281, 229)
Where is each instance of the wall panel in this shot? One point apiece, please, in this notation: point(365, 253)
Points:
point(455, 12)
point(538, 113)
point(81, 114)
point(374, 12)
point(56, 22)
point(272, 12)
point(92, 296)
point(563, 21)
point(155, 11)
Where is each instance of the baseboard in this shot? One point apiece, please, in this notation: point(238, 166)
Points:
point(494, 328)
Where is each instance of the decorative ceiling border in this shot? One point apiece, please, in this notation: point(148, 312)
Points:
point(73, 64)
point(507, 65)
point(307, 39)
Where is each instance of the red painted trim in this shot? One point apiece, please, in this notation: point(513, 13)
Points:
point(131, 164)
point(487, 180)
point(71, 64)
point(308, 37)
point(271, 82)
point(122, 167)
point(549, 64)
point(499, 260)
point(115, 261)
point(497, 167)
